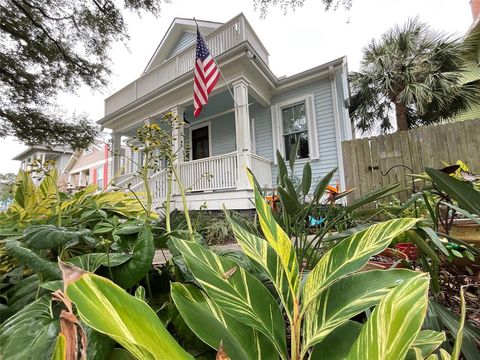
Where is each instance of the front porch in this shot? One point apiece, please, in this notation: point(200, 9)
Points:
point(212, 182)
point(213, 154)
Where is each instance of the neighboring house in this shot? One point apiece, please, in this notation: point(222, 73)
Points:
point(92, 165)
point(40, 155)
point(472, 57)
point(267, 115)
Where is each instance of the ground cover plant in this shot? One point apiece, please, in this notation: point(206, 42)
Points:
point(77, 261)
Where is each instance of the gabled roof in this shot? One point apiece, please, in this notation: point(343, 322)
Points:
point(34, 149)
point(177, 28)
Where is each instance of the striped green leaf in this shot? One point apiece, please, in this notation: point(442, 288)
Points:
point(350, 255)
point(267, 261)
point(213, 326)
point(427, 341)
point(235, 292)
point(346, 298)
point(109, 309)
point(394, 324)
point(30, 333)
point(278, 239)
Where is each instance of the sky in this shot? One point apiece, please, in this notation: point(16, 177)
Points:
point(296, 41)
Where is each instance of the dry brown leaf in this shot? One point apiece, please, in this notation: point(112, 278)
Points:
point(229, 273)
point(221, 353)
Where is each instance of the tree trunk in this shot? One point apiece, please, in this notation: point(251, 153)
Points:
point(401, 115)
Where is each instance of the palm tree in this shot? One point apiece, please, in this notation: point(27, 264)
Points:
point(413, 70)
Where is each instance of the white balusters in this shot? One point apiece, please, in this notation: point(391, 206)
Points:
point(221, 40)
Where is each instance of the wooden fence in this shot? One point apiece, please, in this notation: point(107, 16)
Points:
point(368, 160)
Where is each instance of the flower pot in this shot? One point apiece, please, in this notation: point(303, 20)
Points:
point(466, 230)
point(386, 259)
point(408, 249)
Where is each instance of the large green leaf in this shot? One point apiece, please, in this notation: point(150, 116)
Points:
point(350, 255)
point(50, 236)
point(306, 179)
point(109, 309)
point(213, 326)
point(348, 297)
point(21, 294)
point(31, 333)
point(337, 344)
point(278, 239)
point(463, 192)
point(131, 272)
point(235, 292)
point(267, 261)
point(28, 257)
point(394, 324)
point(91, 262)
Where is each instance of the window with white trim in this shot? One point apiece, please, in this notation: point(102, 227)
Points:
point(295, 120)
point(295, 129)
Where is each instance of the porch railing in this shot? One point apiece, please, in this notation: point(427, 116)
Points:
point(209, 174)
point(262, 169)
point(158, 187)
point(221, 40)
point(212, 173)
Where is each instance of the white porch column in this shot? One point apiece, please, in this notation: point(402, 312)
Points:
point(116, 152)
point(242, 130)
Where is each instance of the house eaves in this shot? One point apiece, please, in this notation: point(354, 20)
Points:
point(238, 51)
point(34, 149)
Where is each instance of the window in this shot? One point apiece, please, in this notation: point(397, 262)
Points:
point(200, 143)
point(100, 178)
point(295, 128)
point(295, 120)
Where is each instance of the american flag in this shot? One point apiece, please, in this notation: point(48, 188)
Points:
point(206, 75)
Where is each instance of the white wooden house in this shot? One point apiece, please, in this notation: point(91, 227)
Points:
point(268, 113)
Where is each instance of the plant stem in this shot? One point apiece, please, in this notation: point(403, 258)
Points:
point(295, 333)
point(146, 183)
point(167, 202)
point(184, 203)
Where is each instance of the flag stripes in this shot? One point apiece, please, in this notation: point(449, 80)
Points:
point(205, 77)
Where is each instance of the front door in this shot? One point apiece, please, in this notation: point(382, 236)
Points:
point(200, 143)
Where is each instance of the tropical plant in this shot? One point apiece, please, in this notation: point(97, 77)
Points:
point(415, 71)
point(298, 205)
point(316, 304)
point(445, 196)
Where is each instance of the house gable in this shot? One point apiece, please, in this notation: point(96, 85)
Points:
point(179, 36)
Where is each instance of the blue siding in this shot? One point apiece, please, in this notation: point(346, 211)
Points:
point(223, 134)
point(222, 131)
point(184, 41)
point(325, 129)
point(263, 130)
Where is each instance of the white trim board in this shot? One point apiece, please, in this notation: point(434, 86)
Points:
point(200, 125)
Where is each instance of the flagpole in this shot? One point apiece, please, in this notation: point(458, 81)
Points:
point(218, 67)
